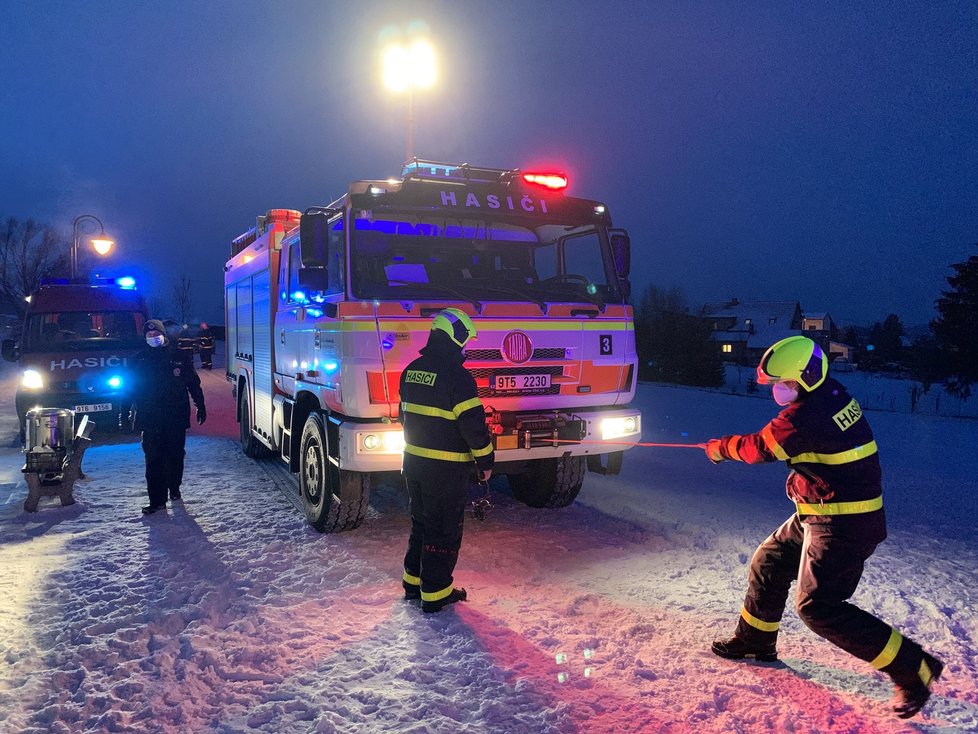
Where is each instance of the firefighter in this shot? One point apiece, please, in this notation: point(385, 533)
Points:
point(163, 379)
point(835, 483)
point(444, 433)
point(205, 341)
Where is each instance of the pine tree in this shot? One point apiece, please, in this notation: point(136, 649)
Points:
point(956, 330)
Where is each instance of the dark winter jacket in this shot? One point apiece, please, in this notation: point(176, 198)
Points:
point(164, 380)
point(441, 412)
point(827, 443)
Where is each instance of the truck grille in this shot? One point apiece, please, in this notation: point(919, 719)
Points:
point(495, 355)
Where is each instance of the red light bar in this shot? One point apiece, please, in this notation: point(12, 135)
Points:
point(553, 181)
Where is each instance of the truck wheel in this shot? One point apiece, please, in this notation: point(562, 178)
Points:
point(549, 482)
point(334, 500)
point(250, 446)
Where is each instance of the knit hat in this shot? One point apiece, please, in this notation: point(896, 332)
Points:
point(154, 325)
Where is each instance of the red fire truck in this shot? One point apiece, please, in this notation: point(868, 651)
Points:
point(75, 347)
point(324, 310)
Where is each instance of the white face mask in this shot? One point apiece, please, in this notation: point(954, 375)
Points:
point(784, 394)
point(156, 341)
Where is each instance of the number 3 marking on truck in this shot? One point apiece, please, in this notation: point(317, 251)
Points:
point(605, 341)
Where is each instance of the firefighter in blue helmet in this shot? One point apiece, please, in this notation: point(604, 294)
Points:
point(445, 438)
point(835, 483)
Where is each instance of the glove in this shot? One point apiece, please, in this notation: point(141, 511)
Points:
point(201, 415)
point(484, 475)
point(713, 452)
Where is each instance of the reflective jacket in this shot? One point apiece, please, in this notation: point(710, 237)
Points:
point(441, 412)
point(828, 445)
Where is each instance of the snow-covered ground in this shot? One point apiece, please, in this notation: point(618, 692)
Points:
point(228, 614)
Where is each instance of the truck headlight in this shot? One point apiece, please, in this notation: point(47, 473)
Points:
point(382, 442)
point(628, 425)
point(31, 380)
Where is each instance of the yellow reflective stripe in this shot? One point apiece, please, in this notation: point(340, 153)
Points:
point(758, 623)
point(840, 508)
point(483, 451)
point(843, 457)
point(889, 652)
point(767, 435)
point(465, 405)
point(427, 410)
point(616, 324)
point(413, 580)
point(436, 595)
point(925, 673)
point(436, 454)
point(732, 448)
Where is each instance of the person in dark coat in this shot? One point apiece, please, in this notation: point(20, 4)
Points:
point(205, 342)
point(164, 383)
point(446, 439)
point(836, 485)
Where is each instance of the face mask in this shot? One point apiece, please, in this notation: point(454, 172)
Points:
point(156, 341)
point(784, 394)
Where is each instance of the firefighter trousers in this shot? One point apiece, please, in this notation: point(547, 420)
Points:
point(827, 566)
point(438, 499)
point(164, 451)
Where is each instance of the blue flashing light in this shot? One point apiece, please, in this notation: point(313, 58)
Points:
point(388, 341)
point(299, 296)
point(330, 367)
point(114, 382)
point(314, 312)
point(127, 281)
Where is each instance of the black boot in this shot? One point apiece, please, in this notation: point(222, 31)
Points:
point(150, 509)
point(436, 606)
point(735, 648)
point(909, 699)
point(411, 591)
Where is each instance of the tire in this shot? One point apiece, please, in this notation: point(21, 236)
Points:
point(334, 500)
point(549, 482)
point(250, 446)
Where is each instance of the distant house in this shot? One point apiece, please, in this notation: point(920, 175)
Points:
point(743, 330)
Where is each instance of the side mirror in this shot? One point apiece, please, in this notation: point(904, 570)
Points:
point(312, 280)
point(314, 236)
point(621, 251)
point(8, 348)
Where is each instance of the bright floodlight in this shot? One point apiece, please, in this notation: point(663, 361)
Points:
point(411, 67)
point(102, 246)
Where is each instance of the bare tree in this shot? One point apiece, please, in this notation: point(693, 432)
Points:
point(182, 300)
point(29, 251)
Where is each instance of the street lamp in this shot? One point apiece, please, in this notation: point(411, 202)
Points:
point(407, 67)
point(85, 224)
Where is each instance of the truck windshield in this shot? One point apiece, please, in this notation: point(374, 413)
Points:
point(410, 256)
point(82, 331)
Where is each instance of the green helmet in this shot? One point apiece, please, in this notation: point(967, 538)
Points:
point(456, 324)
point(796, 358)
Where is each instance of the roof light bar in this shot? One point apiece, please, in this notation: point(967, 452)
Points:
point(552, 181)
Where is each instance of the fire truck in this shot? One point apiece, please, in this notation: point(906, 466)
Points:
point(325, 308)
point(75, 347)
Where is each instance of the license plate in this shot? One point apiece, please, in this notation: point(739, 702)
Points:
point(513, 383)
point(93, 408)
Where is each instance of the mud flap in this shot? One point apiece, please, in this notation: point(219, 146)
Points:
point(615, 460)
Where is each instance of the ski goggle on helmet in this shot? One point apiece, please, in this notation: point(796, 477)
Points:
point(456, 324)
point(796, 358)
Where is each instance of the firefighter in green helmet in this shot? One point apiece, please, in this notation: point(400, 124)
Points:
point(445, 439)
point(835, 483)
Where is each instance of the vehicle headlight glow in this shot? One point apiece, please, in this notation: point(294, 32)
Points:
point(31, 380)
point(628, 425)
point(382, 442)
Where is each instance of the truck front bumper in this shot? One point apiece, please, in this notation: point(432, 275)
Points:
point(517, 437)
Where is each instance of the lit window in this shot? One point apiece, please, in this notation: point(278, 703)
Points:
point(727, 348)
